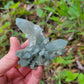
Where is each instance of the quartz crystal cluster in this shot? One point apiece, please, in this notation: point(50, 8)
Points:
point(40, 50)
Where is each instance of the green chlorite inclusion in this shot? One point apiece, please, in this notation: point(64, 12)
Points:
point(40, 50)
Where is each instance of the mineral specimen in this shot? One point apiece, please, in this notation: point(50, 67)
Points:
point(40, 50)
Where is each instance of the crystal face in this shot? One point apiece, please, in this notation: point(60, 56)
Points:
point(40, 50)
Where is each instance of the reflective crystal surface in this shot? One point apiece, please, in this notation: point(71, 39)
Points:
point(40, 50)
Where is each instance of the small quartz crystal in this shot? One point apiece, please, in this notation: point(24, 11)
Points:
point(40, 50)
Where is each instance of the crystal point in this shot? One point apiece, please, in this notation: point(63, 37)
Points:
point(40, 50)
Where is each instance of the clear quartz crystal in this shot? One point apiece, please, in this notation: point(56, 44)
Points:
point(40, 50)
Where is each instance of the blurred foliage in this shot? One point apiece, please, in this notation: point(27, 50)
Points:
point(59, 19)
